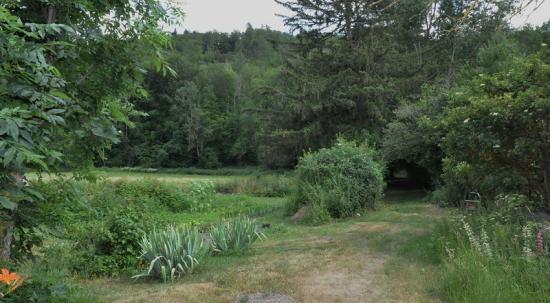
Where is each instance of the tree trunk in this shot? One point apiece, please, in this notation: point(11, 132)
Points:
point(6, 239)
point(546, 184)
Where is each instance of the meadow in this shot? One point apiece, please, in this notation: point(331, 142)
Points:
point(405, 249)
point(369, 258)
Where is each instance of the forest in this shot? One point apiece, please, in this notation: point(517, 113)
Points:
point(377, 151)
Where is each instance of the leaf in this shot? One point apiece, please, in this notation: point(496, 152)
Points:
point(12, 129)
point(55, 111)
point(7, 204)
point(9, 155)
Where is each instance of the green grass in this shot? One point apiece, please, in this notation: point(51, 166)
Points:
point(391, 254)
point(223, 206)
point(179, 176)
point(344, 261)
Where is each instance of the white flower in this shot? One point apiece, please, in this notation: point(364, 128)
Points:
point(494, 114)
point(496, 146)
point(467, 120)
point(543, 44)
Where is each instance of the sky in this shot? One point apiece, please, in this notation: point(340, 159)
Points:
point(230, 15)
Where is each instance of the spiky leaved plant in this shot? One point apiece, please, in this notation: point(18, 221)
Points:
point(234, 235)
point(172, 252)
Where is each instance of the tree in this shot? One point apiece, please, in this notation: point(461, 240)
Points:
point(498, 125)
point(68, 74)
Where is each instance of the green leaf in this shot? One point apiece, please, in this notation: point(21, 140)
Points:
point(9, 155)
point(7, 204)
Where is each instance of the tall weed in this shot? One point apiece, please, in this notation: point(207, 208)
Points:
point(486, 259)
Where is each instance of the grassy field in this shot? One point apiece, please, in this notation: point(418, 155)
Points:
point(381, 256)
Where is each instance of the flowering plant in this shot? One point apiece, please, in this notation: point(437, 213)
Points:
point(9, 281)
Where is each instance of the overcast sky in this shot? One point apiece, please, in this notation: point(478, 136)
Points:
point(230, 15)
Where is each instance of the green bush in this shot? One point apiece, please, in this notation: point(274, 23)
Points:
point(316, 214)
point(344, 180)
point(108, 246)
point(497, 129)
point(121, 241)
point(172, 252)
point(234, 235)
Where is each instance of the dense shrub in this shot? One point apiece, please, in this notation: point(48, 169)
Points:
point(497, 131)
point(172, 252)
point(105, 221)
point(344, 179)
point(235, 235)
point(109, 246)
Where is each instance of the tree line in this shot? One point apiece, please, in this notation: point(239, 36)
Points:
point(359, 69)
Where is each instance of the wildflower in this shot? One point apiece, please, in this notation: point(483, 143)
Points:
point(450, 252)
point(474, 241)
point(526, 234)
point(486, 245)
point(8, 277)
point(467, 120)
point(11, 279)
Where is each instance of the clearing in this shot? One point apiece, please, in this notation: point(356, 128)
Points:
point(381, 256)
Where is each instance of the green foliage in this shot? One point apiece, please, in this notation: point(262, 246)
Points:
point(200, 195)
point(207, 115)
point(172, 252)
point(164, 194)
point(44, 284)
point(498, 131)
point(262, 185)
point(490, 258)
point(344, 179)
point(235, 235)
point(317, 213)
point(105, 221)
point(32, 105)
point(124, 230)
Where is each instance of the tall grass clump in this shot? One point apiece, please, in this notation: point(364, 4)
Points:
point(172, 252)
point(234, 235)
point(490, 257)
point(339, 181)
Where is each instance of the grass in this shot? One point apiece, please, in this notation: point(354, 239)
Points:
point(179, 176)
point(376, 257)
point(224, 206)
point(392, 254)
